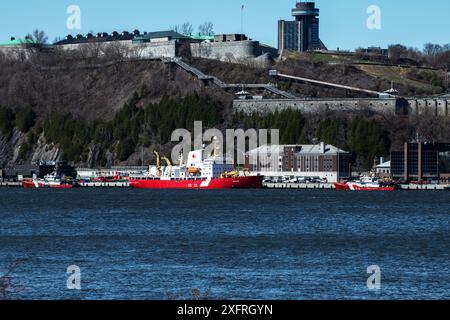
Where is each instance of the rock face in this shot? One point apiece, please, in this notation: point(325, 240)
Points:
point(10, 147)
point(4, 150)
point(44, 151)
point(10, 150)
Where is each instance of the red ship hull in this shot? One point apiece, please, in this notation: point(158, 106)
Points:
point(28, 184)
point(251, 182)
point(347, 187)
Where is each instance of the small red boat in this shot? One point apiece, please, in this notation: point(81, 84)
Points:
point(364, 184)
point(49, 181)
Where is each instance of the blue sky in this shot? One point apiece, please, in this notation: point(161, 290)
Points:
point(343, 22)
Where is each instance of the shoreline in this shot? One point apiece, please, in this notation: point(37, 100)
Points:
point(301, 186)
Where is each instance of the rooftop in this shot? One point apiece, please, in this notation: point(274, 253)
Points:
point(300, 149)
point(161, 34)
point(15, 42)
point(99, 37)
point(386, 164)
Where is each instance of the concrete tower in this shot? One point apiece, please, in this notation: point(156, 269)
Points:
point(303, 33)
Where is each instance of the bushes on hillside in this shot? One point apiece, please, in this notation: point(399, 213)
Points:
point(131, 126)
point(125, 149)
point(73, 136)
point(25, 119)
point(7, 118)
point(365, 138)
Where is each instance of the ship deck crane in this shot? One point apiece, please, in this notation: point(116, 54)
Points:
point(158, 164)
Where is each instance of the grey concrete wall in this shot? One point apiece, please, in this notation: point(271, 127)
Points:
point(385, 106)
point(226, 51)
point(158, 49)
point(144, 50)
point(437, 107)
point(430, 106)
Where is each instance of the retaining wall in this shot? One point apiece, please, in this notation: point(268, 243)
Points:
point(413, 106)
point(228, 51)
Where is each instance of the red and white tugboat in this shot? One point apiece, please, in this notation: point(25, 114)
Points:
point(49, 181)
point(364, 184)
point(215, 172)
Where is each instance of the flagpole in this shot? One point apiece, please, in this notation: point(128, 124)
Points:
point(242, 22)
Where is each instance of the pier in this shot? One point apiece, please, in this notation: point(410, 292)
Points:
point(329, 186)
point(82, 185)
point(303, 186)
point(425, 187)
point(105, 184)
point(10, 184)
point(298, 186)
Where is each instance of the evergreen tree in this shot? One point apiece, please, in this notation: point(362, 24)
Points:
point(7, 118)
point(25, 119)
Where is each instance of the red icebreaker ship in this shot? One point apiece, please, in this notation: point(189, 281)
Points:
point(215, 172)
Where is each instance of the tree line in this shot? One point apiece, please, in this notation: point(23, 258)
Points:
point(365, 138)
point(130, 128)
point(432, 55)
point(187, 29)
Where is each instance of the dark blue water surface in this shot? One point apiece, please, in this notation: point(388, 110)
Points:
point(235, 244)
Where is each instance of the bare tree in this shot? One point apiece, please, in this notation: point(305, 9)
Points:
point(175, 28)
point(37, 36)
point(431, 49)
point(186, 28)
point(116, 51)
point(206, 29)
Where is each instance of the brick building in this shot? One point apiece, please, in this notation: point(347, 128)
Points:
point(322, 161)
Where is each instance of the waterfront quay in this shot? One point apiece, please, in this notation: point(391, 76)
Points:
point(328, 186)
point(272, 185)
point(10, 184)
point(303, 186)
point(122, 184)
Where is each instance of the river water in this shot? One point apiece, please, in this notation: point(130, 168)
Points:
point(226, 244)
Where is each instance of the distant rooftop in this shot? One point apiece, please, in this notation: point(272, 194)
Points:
point(100, 37)
point(201, 37)
point(300, 149)
point(383, 165)
point(15, 42)
point(160, 35)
